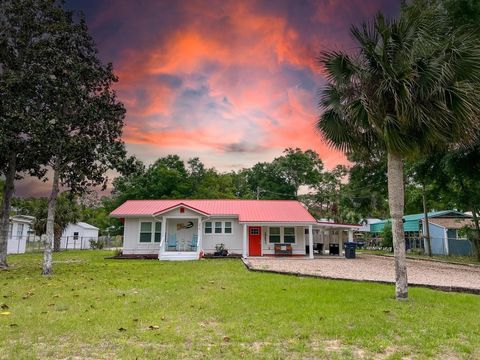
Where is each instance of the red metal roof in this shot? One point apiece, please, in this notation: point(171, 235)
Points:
point(246, 210)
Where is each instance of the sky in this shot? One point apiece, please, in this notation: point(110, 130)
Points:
point(232, 82)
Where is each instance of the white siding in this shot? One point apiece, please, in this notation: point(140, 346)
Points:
point(131, 238)
point(17, 240)
point(232, 242)
point(297, 249)
point(82, 241)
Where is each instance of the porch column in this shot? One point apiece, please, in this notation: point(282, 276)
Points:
point(199, 235)
point(244, 243)
point(326, 242)
point(163, 232)
point(350, 235)
point(340, 242)
point(310, 241)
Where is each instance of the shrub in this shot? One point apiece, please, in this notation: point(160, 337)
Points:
point(387, 236)
point(96, 244)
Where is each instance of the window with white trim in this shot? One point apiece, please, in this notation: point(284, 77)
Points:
point(289, 235)
point(227, 229)
point(158, 232)
point(145, 232)
point(218, 227)
point(274, 235)
point(208, 227)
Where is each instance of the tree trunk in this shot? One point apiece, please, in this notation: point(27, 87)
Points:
point(427, 225)
point(5, 211)
point(52, 204)
point(476, 237)
point(396, 201)
point(57, 239)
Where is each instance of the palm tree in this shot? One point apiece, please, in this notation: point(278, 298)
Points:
point(413, 86)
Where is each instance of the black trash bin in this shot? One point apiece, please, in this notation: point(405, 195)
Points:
point(350, 248)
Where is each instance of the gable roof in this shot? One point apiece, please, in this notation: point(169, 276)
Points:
point(451, 223)
point(86, 225)
point(246, 210)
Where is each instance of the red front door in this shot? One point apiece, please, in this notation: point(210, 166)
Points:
point(254, 241)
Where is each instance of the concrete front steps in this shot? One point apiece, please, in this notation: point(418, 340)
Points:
point(178, 255)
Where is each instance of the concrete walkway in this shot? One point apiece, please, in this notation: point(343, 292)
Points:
point(444, 276)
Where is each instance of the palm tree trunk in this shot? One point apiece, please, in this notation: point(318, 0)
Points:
point(427, 225)
point(396, 201)
point(52, 204)
point(5, 211)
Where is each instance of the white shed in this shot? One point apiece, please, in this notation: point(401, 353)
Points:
point(18, 232)
point(78, 236)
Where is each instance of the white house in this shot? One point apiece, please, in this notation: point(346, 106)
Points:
point(18, 233)
point(78, 236)
point(185, 229)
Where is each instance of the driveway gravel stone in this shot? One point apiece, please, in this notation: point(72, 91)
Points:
point(376, 268)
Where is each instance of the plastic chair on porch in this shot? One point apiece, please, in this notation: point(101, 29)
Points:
point(194, 242)
point(172, 242)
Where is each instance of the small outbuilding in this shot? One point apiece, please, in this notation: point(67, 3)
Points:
point(18, 232)
point(78, 236)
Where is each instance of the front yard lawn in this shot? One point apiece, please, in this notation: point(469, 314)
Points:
point(99, 308)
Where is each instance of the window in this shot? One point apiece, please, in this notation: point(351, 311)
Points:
point(254, 231)
point(289, 235)
point(274, 234)
point(75, 236)
point(145, 232)
point(218, 227)
point(158, 232)
point(208, 227)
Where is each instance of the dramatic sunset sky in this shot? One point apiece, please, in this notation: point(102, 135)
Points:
point(233, 82)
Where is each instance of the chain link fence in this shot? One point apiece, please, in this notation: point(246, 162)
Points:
point(37, 243)
point(440, 246)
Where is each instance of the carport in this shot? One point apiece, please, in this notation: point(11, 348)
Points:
point(329, 236)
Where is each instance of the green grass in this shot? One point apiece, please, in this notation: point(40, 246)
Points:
point(447, 258)
point(218, 309)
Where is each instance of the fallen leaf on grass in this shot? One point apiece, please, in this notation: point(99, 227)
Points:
point(226, 339)
point(154, 327)
point(4, 307)
point(135, 320)
point(5, 313)
point(122, 329)
point(13, 325)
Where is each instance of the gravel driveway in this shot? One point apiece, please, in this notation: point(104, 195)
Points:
point(376, 268)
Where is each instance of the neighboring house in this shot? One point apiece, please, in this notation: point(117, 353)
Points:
point(446, 238)
point(78, 236)
point(184, 229)
point(18, 232)
point(413, 226)
point(364, 224)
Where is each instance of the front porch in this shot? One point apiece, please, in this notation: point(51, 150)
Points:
point(180, 238)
